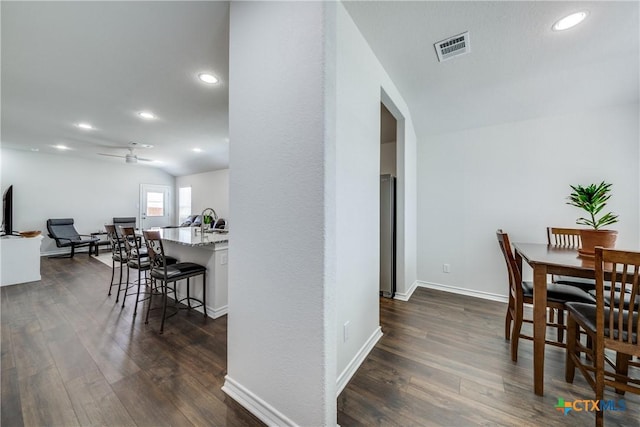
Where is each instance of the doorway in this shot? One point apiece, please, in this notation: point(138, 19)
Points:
point(388, 211)
point(155, 206)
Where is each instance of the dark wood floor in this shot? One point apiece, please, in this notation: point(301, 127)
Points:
point(70, 356)
point(443, 361)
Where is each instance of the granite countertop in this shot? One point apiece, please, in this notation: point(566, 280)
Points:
point(187, 236)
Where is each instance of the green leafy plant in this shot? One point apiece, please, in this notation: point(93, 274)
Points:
point(592, 199)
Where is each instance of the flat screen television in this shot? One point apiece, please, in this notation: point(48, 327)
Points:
point(7, 211)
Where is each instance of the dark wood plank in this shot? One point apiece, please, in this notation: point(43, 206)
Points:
point(71, 356)
point(443, 361)
point(95, 402)
point(45, 400)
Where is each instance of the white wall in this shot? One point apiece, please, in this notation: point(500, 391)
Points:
point(360, 83)
point(516, 176)
point(57, 186)
point(281, 327)
point(208, 190)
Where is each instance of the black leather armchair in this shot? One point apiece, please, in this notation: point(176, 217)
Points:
point(65, 235)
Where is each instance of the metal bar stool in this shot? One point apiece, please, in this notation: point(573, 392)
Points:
point(136, 258)
point(167, 273)
point(118, 254)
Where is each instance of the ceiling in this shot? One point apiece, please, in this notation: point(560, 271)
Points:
point(102, 62)
point(518, 68)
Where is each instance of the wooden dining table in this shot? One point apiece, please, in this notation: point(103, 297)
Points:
point(547, 259)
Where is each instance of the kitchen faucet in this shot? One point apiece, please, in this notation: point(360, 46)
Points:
point(209, 212)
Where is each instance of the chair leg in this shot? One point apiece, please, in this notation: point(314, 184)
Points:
point(113, 272)
point(515, 334)
point(126, 288)
point(164, 304)
point(119, 283)
point(622, 368)
point(146, 319)
point(204, 293)
point(73, 251)
point(188, 296)
point(598, 356)
point(508, 319)
point(135, 309)
point(570, 366)
point(560, 322)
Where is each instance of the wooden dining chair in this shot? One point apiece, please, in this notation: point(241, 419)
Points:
point(612, 324)
point(521, 293)
point(568, 238)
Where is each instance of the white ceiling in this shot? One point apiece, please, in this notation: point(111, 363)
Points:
point(101, 62)
point(518, 68)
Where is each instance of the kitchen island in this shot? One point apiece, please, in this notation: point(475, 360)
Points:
point(187, 244)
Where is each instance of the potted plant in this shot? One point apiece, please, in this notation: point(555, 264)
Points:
point(593, 199)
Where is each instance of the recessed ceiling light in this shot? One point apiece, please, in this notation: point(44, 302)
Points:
point(570, 21)
point(35, 149)
point(198, 150)
point(147, 115)
point(208, 78)
point(85, 126)
point(146, 145)
point(61, 147)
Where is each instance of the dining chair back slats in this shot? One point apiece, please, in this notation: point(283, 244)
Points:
point(623, 323)
point(566, 237)
point(515, 278)
point(613, 327)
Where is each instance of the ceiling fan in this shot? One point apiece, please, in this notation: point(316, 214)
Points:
point(130, 157)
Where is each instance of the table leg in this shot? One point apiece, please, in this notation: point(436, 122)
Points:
point(539, 326)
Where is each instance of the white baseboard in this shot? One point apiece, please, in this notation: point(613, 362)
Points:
point(463, 291)
point(404, 296)
point(258, 407)
point(352, 367)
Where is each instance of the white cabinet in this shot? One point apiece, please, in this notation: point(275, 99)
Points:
point(19, 259)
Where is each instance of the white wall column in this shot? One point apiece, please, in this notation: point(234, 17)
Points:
point(282, 326)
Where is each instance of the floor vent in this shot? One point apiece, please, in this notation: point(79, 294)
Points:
point(453, 46)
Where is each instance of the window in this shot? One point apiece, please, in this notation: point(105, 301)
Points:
point(155, 204)
point(184, 203)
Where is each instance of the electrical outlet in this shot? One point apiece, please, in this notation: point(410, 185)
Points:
point(446, 268)
point(345, 331)
point(223, 259)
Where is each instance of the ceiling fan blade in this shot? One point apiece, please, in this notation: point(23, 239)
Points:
point(111, 155)
point(144, 160)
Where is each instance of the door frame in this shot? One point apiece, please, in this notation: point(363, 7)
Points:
point(168, 204)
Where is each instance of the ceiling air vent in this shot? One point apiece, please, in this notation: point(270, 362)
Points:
point(453, 46)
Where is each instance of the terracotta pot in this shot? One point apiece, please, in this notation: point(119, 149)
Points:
point(593, 238)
